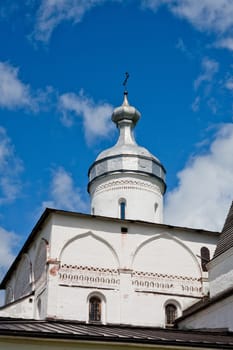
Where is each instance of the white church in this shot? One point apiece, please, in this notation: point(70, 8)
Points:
point(119, 276)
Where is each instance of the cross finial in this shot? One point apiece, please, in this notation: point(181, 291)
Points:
point(126, 80)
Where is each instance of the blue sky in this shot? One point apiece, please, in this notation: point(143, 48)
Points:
point(62, 65)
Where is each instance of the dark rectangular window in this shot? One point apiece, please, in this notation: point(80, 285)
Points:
point(205, 258)
point(122, 210)
point(95, 309)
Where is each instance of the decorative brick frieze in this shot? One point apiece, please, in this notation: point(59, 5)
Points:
point(88, 276)
point(172, 284)
point(127, 184)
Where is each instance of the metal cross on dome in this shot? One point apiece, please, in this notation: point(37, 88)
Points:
point(126, 80)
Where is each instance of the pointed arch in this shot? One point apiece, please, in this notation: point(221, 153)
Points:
point(39, 267)
point(84, 240)
point(171, 247)
point(23, 283)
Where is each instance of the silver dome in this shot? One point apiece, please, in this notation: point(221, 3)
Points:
point(126, 156)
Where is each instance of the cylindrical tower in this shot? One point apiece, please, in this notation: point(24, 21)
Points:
point(126, 181)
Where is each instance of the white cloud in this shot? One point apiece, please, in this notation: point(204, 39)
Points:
point(63, 193)
point(225, 43)
point(180, 45)
point(209, 69)
point(96, 117)
point(52, 12)
point(229, 83)
point(9, 240)
point(206, 80)
point(205, 189)
point(154, 4)
point(13, 93)
point(212, 15)
point(10, 186)
point(10, 169)
point(196, 104)
point(206, 15)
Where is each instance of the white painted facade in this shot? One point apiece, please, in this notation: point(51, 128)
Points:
point(75, 256)
point(132, 189)
point(221, 273)
point(218, 313)
point(216, 316)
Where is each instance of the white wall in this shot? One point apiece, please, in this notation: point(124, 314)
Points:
point(144, 200)
point(218, 315)
point(98, 246)
point(19, 309)
point(221, 273)
point(30, 275)
point(135, 273)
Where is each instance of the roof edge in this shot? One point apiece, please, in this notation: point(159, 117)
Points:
point(48, 211)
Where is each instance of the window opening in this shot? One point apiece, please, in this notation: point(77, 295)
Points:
point(205, 258)
point(171, 314)
point(122, 209)
point(95, 309)
point(39, 307)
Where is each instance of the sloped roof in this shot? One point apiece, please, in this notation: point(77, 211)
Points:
point(49, 211)
point(76, 331)
point(225, 241)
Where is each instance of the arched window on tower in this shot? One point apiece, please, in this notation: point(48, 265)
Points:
point(170, 314)
point(122, 207)
point(95, 309)
point(205, 258)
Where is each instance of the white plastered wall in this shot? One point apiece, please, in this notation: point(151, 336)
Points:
point(218, 315)
point(100, 244)
point(143, 196)
point(102, 250)
point(26, 307)
point(221, 273)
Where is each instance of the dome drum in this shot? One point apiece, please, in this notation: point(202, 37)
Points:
point(127, 163)
point(139, 196)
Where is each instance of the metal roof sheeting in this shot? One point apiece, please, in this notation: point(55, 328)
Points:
point(73, 330)
point(226, 237)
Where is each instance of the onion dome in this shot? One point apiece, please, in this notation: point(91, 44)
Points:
point(126, 112)
point(126, 156)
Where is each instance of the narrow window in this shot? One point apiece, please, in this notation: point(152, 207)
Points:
point(205, 258)
point(39, 308)
point(122, 203)
point(156, 207)
point(8, 295)
point(95, 309)
point(171, 314)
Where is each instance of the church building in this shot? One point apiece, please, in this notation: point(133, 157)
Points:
point(120, 276)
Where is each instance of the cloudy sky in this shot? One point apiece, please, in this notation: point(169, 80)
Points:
point(62, 65)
